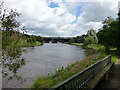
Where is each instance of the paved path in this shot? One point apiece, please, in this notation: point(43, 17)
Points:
point(112, 80)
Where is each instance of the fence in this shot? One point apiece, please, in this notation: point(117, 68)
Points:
point(79, 79)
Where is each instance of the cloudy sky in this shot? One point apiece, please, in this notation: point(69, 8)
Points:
point(62, 17)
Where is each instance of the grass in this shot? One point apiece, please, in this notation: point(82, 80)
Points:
point(101, 49)
point(114, 59)
point(113, 54)
point(64, 73)
point(97, 47)
point(79, 44)
point(27, 44)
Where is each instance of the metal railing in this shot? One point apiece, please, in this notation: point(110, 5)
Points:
point(79, 79)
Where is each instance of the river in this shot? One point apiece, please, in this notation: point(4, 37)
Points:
point(43, 60)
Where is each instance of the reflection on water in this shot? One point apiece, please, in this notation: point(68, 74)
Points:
point(44, 59)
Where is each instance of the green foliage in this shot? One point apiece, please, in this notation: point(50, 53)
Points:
point(71, 40)
point(118, 32)
point(79, 39)
point(32, 40)
point(11, 50)
point(13, 41)
point(114, 58)
point(88, 40)
point(97, 47)
point(29, 44)
point(78, 44)
point(91, 38)
point(107, 34)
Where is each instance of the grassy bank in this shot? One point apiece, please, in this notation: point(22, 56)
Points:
point(78, 44)
point(64, 73)
point(97, 47)
point(28, 44)
point(100, 48)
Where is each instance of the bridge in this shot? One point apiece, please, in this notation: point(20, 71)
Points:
point(56, 39)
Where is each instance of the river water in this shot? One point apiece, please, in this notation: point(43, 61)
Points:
point(43, 60)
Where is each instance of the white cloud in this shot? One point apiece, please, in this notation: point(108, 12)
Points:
point(42, 20)
point(91, 1)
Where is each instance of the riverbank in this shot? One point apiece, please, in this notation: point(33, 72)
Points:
point(77, 44)
point(98, 48)
point(28, 44)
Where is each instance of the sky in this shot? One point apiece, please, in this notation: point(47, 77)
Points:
point(62, 18)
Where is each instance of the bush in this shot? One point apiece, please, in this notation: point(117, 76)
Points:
point(88, 40)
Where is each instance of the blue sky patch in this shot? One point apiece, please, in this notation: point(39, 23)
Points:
point(74, 22)
point(53, 5)
point(78, 11)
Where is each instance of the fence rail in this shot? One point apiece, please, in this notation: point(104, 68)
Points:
point(79, 79)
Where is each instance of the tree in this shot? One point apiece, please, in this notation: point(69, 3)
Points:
point(71, 40)
point(91, 37)
point(31, 39)
point(11, 49)
point(80, 39)
point(88, 40)
point(118, 32)
point(107, 34)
